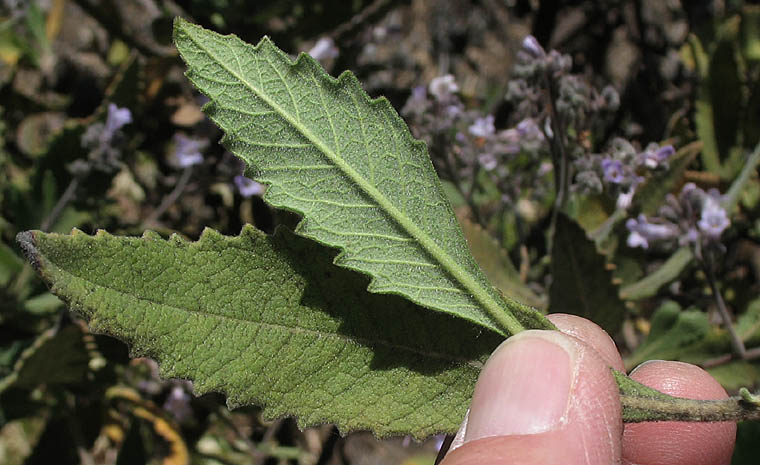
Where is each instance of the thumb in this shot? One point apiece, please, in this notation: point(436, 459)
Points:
point(542, 398)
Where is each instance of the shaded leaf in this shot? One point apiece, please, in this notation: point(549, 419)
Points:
point(677, 334)
point(748, 324)
point(350, 167)
point(496, 264)
point(747, 446)
point(270, 321)
point(56, 357)
point(581, 283)
point(736, 374)
point(652, 282)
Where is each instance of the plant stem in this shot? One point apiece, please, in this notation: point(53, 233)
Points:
point(67, 196)
point(750, 354)
point(680, 409)
point(559, 156)
point(736, 340)
point(641, 403)
point(172, 197)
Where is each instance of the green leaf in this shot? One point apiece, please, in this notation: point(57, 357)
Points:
point(677, 334)
point(496, 264)
point(270, 320)
point(747, 446)
point(736, 374)
point(651, 284)
point(350, 167)
point(748, 324)
point(55, 357)
point(581, 283)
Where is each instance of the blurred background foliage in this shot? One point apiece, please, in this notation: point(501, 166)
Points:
point(547, 158)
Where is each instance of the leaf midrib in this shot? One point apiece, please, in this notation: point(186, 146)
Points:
point(294, 329)
point(495, 311)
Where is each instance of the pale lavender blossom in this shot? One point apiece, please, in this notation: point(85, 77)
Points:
point(248, 187)
point(443, 87)
point(117, 118)
point(103, 142)
point(419, 93)
point(655, 156)
point(324, 49)
point(487, 161)
point(694, 218)
point(532, 47)
point(714, 219)
point(187, 150)
point(613, 171)
point(545, 168)
point(643, 232)
point(483, 127)
point(178, 404)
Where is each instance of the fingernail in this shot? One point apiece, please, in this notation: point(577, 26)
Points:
point(643, 364)
point(524, 387)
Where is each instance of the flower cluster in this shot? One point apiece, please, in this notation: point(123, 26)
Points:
point(104, 142)
point(694, 218)
point(620, 169)
point(543, 80)
point(466, 142)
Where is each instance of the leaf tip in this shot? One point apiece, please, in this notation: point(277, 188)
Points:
point(27, 241)
point(179, 23)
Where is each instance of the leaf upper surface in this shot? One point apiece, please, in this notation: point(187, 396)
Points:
point(350, 167)
point(269, 320)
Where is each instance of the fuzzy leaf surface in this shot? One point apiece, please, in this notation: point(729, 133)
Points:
point(269, 320)
point(350, 167)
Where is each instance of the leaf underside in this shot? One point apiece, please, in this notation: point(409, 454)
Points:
point(350, 167)
point(269, 320)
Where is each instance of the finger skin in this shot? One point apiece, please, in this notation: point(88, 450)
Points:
point(590, 433)
point(590, 333)
point(679, 443)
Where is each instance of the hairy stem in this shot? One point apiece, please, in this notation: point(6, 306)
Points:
point(641, 403)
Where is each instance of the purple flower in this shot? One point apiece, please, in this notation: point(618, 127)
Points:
point(643, 232)
point(324, 49)
point(713, 220)
point(178, 404)
point(419, 93)
point(483, 127)
point(487, 161)
point(655, 156)
point(187, 151)
point(613, 171)
point(248, 187)
point(443, 87)
point(529, 128)
point(117, 118)
point(532, 47)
